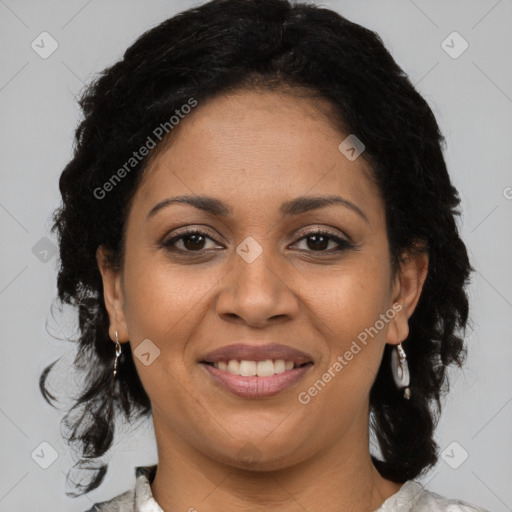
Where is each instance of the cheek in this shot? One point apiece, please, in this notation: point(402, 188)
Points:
point(162, 300)
point(352, 298)
point(161, 309)
point(353, 317)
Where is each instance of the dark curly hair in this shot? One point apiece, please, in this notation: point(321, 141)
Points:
point(227, 45)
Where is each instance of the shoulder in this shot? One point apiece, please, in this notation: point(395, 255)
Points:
point(435, 502)
point(138, 497)
point(122, 503)
point(414, 497)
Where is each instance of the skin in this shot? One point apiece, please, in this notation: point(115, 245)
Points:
point(255, 150)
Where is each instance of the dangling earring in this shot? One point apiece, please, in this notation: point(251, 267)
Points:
point(400, 370)
point(118, 353)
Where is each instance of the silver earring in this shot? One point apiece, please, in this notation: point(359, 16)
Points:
point(118, 353)
point(400, 370)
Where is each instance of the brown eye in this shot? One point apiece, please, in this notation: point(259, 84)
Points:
point(196, 241)
point(191, 241)
point(318, 241)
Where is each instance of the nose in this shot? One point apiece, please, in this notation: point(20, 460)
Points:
point(257, 293)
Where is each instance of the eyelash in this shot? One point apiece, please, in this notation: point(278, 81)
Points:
point(342, 243)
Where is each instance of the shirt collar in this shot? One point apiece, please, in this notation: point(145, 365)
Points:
point(404, 499)
point(144, 501)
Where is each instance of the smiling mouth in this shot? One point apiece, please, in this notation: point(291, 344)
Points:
point(246, 368)
point(256, 379)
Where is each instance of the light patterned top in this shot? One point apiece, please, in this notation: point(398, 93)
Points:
point(412, 497)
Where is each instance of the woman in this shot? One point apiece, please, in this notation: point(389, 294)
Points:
point(259, 216)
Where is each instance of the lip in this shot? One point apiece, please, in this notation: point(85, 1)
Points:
point(254, 386)
point(249, 352)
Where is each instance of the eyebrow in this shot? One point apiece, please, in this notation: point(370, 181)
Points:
point(296, 206)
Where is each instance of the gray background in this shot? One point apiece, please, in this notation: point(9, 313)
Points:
point(471, 96)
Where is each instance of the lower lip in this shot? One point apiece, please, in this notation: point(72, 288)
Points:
point(257, 387)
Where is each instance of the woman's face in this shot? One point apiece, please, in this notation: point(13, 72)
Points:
point(256, 275)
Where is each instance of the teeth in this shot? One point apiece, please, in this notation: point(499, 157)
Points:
point(248, 368)
point(280, 365)
point(251, 368)
point(265, 368)
point(233, 367)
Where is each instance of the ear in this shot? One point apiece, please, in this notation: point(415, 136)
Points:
point(406, 291)
point(113, 296)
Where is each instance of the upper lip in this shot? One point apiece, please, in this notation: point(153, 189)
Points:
point(247, 352)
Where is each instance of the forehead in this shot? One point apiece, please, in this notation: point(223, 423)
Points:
point(251, 147)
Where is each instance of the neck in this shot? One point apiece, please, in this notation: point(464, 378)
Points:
point(340, 478)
